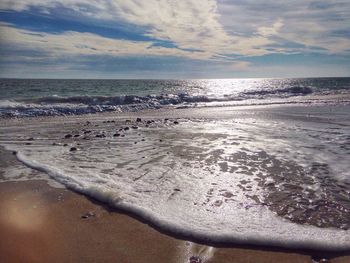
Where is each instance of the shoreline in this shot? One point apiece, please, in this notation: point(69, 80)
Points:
point(74, 218)
point(71, 207)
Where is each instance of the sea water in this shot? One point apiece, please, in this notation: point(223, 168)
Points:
point(35, 97)
point(268, 175)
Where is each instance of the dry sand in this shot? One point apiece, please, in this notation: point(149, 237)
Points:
point(39, 223)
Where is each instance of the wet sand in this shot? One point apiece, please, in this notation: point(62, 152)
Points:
point(39, 223)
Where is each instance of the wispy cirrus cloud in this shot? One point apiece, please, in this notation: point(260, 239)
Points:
point(207, 30)
point(189, 25)
point(88, 44)
point(313, 26)
point(218, 27)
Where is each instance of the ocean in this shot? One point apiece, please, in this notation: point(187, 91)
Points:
point(32, 97)
point(247, 161)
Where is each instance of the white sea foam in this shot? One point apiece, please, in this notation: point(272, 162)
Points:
point(78, 105)
point(18, 173)
point(199, 178)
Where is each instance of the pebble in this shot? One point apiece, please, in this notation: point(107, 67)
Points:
point(176, 122)
point(116, 134)
point(134, 127)
point(67, 136)
point(195, 259)
point(138, 120)
point(73, 149)
point(126, 128)
point(88, 215)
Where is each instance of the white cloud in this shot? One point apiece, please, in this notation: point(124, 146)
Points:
point(272, 30)
point(191, 24)
point(219, 28)
point(310, 23)
point(75, 43)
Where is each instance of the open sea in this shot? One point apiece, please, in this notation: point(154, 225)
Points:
point(248, 161)
point(20, 97)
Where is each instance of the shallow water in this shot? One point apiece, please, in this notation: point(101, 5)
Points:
point(271, 176)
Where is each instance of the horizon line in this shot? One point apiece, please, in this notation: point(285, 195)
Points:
point(48, 78)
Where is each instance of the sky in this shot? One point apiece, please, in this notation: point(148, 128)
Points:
point(174, 38)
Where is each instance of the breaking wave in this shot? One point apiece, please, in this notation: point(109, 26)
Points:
point(77, 105)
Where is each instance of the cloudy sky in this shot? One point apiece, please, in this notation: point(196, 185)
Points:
point(174, 38)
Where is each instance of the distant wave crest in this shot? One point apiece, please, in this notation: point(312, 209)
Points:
point(291, 91)
point(77, 105)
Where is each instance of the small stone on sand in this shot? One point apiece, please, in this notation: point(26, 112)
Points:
point(88, 215)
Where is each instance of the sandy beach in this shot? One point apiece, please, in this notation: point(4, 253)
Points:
point(41, 223)
point(164, 131)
